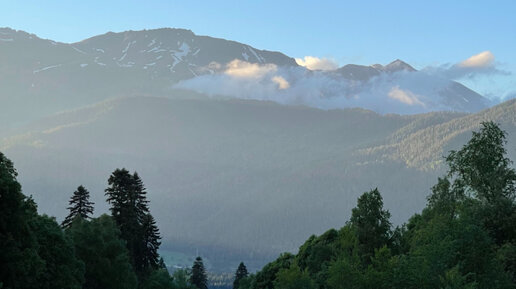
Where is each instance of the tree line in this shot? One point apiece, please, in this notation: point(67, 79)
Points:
point(119, 250)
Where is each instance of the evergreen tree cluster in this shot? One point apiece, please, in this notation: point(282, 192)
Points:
point(117, 251)
point(129, 208)
point(464, 238)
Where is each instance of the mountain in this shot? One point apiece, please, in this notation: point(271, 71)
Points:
point(176, 52)
point(39, 77)
point(418, 91)
point(240, 179)
point(365, 73)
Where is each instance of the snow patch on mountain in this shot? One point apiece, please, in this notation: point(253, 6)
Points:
point(45, 68)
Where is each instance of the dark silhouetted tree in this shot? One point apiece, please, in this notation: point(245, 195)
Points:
point(240, 274)
point(80, 206)
point(129, 207)
point(34, 252)
point(151, 243)
point(98, 245)
point(198, 277)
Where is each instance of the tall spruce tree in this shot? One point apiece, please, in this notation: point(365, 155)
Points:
point(80, 207)
point(198, 277)
point(129, 206)
point(142, 204)
point(240, 274)
point(151, 243)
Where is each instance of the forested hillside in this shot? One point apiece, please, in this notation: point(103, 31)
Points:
point(265, 162)
point(464, 238)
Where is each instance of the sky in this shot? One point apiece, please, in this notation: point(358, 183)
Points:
point(422, 33)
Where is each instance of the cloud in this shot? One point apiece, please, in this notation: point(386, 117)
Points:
point(480, 64)
point(282, 82)
point(404, 96)
point(316, 63)
point(243, 69)
point(483, 59)
point(401, 92)
point(326, 90)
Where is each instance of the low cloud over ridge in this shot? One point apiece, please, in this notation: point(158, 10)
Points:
point(316, 63)
point(405, 96)
point(317, 83)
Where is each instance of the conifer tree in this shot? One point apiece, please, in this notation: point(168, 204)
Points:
point(150, 243)
point(142, 204)
point(129, 206)
point(80, 206)
point(120, 194)
point(198, 277)
point(240, 274)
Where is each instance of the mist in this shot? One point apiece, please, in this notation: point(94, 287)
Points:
point(401, 92)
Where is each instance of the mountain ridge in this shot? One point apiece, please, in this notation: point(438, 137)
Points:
point(40, 77)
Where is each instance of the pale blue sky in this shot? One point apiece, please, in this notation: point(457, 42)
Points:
point(422, 33)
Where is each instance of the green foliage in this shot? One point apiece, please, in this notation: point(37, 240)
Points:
point(345, 273)
point(98, 245)
point(241, 273)
point(34, 253)
point(371, 223)
point(482, 171)
point(80, 206)
point(62, 269)
point(247, 282)
point(463, 239)
point(181, 279)
point(198, 277)
point(159, 279)
point(293, 278)
point(481, 166)
point(20, 264)
point(266, 277)
point(315, 255)
point(507, 257)
point(453, 279)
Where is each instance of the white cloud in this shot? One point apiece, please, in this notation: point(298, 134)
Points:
point(281, 82)
point(316, 63)
point(401, 92)
point(405, 96)
point(483, 59)
point(481, 64)
point(243, 69)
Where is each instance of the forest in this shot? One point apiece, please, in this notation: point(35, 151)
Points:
point(464, 238)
